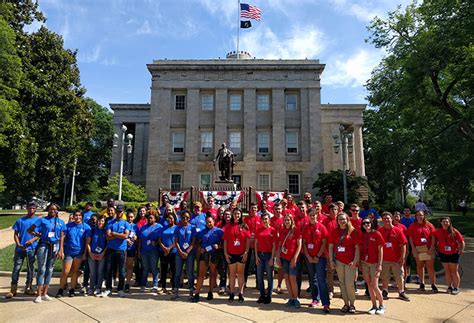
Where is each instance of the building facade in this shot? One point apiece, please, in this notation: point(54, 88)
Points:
point(268, 112)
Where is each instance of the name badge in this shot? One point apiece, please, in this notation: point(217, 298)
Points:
point(131, 234)
point(50, 234)
point(236, 243)
point(310, 246)
point(98, 249)
point(366, 257)
point(55, 247)
point(198, 230)
point(284, 250)
point(423, 240)
point(185, 245)
point(148, 242)
point(208, 248)
point(447, 248)
point(388, 245)
point(341, 249)
point(252, 235)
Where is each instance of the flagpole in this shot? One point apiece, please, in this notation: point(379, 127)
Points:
point(238, 26)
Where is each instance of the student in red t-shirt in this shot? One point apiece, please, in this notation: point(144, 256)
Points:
point(253, 222)
point(450, 245)
point(236, 248)
point(223, 265)
point(394, 251)
point(291, 206)
point(266, 238)
point(289, 248)
point(211, 207)
point(330, 223)
point(371, 255)
point(421, 234)
point(356, 221)
point(326, 205)
point(277, 222)
point(320, 217)
point(344, 257)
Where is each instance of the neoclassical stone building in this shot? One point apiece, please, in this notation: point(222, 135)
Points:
point(269, 113)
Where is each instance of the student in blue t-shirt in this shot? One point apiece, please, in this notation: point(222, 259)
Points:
point(74, 252)
point(184, 240)
point(50, 231)
point(25, 248)
point(148, 251)
point(87, 212)
point(96, 247)
point(131, 249)
point(117, 231)
point(407, 219)
point(167, 252)
point(209, 240)
point(198, 218)
point(366, 210)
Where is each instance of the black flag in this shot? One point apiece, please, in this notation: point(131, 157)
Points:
point(245, 24)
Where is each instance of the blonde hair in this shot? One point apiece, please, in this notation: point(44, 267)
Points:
point(350, 228)
point(292, 226)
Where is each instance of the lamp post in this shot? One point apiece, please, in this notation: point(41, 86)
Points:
point(129, 137)
point(343, 142)
point(74, 174)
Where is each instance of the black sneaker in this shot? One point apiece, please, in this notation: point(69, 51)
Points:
point(196, 298)
point(308, 290)
point(422, 287)
point(403, 296)
point(210, 296)
point(261, 299)
point(434, 288)
point(231, 297)
point(385, 294)
point(267, 300)
point(450, 290)
point(241, 298)
point(72, 292)
point(127, 288)
point(60, 293)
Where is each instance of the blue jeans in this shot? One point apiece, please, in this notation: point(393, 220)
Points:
point(189, 269)
point(18, 259)
point(261, 269)
point(46, 257)
point(222, 269)
point(319, 287)
point(115, 262)
point(150, 264)
point(96, 269)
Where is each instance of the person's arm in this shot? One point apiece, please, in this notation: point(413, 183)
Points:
point(191, 246)
point(321, 250)
point(461, 246)
point(108, 234)
point(355, 262)
point(247, 247)
point(31, 230)
point(178, 247)
point(257, 259)
point(226, 254)
point(121, 236)
point(413, 248)
point(379, 262)
point(403, 251)
point(16, 238)
point(332, 265)
point(305, 251)
point(61, 246)
point(294, 260)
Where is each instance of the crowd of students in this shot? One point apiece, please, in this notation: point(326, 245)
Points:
point(285, 237)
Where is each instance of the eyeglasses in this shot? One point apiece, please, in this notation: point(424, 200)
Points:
point(354, 210)
point(365, 223)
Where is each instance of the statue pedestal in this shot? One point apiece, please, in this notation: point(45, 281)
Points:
point(224, 186)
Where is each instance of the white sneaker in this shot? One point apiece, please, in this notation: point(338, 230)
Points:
point(105, 293)
point(121, 293)
point(97, 293)
point(373, 310)
point(381, 310)
point(38, 299)
point(142, 289)
point(154, 290)
point(46, 298)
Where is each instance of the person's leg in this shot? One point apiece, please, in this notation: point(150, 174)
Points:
point(129, 265)
point(86, 277)
point(76, 263)
point(232, 272)
point(240, 276)
point(341, 274)
point(447, 276)
point(299, 270)
point(322, 285)
point(67, 264)
point(179, 269)
point(42, 255)
point(455, 278)
point(293, 286)
point(375, 284)
point(93, 284)
point(431, 271)
point(420, 270)
point(154, 268)
point(189, 271)
point(163, 270)
point(269, 271)
point(49, 267)
point(121, 256)
point(109, 272)
point(212, 277)
point(100, 265)
point(30, 270)
point(18, 259)
point(313, 279)
point(222, 269)
point(201, 276)
point(349, 274)
point(249, 264)
point(367, 279)
point(172, 261)
point(330, 278)
point(137, 269)
point(145, 269)
point(260, 272)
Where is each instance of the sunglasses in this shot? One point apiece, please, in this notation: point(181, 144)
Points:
point(354, 210)
point(365, 223)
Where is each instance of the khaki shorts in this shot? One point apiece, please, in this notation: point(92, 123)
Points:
point(392, 268)
point(369, 269)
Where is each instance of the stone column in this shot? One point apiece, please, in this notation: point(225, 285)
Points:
point(138, 152)
point(277, 148)
point(316, 142)
point(220, 124)
point(192, 148)
point(249, 177)
point(359, 151)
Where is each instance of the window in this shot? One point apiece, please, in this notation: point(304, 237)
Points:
point(180, 102)
point(263, 143)
point(263, 102)
point(207, 102)
point(178, 142)
point(175, 182)
point(206, 142)
point(205, 180)
point(292, 142)
point(294, 184)
point(234, 142)
point(234, 102)
point(264, 182)
point(291, 101)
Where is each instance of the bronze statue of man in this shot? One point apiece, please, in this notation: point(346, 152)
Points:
point(226, 163)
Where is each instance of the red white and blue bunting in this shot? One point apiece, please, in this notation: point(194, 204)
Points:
point(275, 197)
point(175, 198)
point(223, 198)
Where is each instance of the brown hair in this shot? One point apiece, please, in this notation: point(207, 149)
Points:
point(350, 228)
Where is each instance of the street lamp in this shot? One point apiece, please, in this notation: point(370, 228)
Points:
point(343, 143)
point(123, 128)
point(74, 174)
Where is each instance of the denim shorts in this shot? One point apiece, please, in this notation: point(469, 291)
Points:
point(287, 269)
point(72, 257)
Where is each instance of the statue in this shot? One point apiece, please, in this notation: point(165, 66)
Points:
point(226, 163)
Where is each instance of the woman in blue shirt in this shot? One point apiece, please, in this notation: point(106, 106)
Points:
point(149, 251)
point(50, 229)
point(209, 240)
point(184, 240)
point(74, 251)
point(167, 252)
point(131, 249)
point(96, 247)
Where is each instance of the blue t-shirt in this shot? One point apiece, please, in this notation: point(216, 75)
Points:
point(149, 234)
point(185, 235)
point(407, 221)
point(50, 228)
point(167, 237)
point(199, 222)
point(86, 216)
point(363, 213)
point(118, 226)
point(162, 221)
point(210, 237)
point(75, 238)
point(98, 240)
point(20, 226)
point(134, 230)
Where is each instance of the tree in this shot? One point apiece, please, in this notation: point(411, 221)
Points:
point(331, 184)
point(130, 191)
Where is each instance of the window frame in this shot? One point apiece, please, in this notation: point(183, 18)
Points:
point(287, 95)
point(297, 142)
point(200, 179)
point(173, 144)
point(210, 148)
point(299, 183)
point(232, 148)
point(207, 95)
point(184, 103)
point(180, 182)
point(259, 183)
point(231, 95)
point(258, 142)
point(258, 102)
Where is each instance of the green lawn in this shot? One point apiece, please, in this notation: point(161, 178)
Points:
point(10, 212)
point(465, 224)
point(6, 221)
point(6, 260)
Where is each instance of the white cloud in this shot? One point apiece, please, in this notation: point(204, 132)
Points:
point(352, 71)
point(366, 10)
point(64, 31)
point(307, 42)
point(144, 29)
point(225, 9)
point(90, 57)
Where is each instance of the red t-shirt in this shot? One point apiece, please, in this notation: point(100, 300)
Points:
point(236, 238)
point(313, 236)
point(265, 238)
point(394, 239)
point(293, 208)
point(421, 234)
point(301, 222)
point(446, 243)
point(369, 251)
point(321, 218)
point(270, 206)
point(253, 223)
point(213, 212)
point(288, 245)
point(330, 224)
point(345, 250)
point(357, 224)
point(277, 223)
point(401, 227)
point(325, 208)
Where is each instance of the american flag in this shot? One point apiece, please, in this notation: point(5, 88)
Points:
point(249, 11)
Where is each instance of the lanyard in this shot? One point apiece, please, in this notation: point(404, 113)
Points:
point(287, 235)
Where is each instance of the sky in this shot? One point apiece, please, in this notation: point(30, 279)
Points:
point(115, 39)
